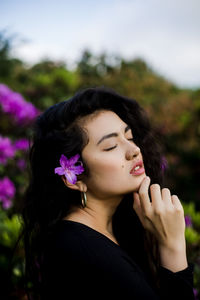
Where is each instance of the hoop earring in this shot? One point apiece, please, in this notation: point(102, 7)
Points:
point(83, 199)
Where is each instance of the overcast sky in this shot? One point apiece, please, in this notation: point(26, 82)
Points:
point(166, 33)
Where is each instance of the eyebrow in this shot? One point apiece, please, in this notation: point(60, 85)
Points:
point(114, 134)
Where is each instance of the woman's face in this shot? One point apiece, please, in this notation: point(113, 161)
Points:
point(110, 156)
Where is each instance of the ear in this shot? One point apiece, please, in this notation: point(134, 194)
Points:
point(78, 186)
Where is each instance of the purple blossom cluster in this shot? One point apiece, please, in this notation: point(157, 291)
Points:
point(8, 148)
point(21, 144)
point(15, 105)
point(22, 112)
point(7, 192)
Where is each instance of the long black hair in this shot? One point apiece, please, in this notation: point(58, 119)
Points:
point(47, 200)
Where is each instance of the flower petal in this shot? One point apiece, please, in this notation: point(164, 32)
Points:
point(59, 171)
point(77, 169)
point(64, 162)
point(71, 177)
point(73, 159)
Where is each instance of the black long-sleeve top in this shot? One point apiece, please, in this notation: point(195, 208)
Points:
point(82, 263)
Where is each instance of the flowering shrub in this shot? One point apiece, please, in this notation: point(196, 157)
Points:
point(13, 104)
point(12, 151)
point(16, 115)
point(7, 192)
point(6, 150)
point(21, 144)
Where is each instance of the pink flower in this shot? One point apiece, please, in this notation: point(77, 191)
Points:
point(7, 192)
point(68, 168)
point(6, 149)
point(22, 144)
point(14, 104)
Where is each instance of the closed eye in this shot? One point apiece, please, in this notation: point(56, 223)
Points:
point(111, 148)
point(108, 149)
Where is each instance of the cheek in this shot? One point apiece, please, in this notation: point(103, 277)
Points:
point(106, 168)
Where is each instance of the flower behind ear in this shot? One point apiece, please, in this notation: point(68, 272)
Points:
point(68, 168)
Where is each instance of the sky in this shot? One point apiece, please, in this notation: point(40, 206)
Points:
point(166, 34)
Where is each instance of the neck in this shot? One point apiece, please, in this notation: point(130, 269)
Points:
point(97, 214)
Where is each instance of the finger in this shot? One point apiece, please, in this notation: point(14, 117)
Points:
point(166, 197)
point(177, 203)
point(156, 196)
point(144, 195)
point(136, 203)
point(137, 206)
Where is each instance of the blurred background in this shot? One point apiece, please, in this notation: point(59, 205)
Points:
point(148, 50)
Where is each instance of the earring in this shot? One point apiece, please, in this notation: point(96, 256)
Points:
point(83, 199)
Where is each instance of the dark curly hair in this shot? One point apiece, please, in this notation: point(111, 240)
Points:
point(47, 200)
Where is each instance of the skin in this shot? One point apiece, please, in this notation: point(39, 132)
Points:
point(110, 180)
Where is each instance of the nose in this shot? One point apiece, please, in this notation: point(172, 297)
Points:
point(132, 152)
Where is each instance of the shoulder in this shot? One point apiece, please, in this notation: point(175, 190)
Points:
point(69, 236)
point(77, 239)
point(78, 243)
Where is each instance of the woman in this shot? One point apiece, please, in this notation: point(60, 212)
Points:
point(97, 222)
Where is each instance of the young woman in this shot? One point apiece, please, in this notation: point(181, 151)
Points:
point(97, 221)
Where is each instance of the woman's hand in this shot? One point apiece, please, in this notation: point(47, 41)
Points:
point(164, 217)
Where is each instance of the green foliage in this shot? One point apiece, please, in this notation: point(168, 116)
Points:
point(9, 229)
point(192, 234)
point(189, 209)
point(11, 257)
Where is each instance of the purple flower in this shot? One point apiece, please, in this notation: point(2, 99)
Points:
point(22, 144)
point(6, 149)
point(7, 192)
point(68, 168)
point(188, 221)
point(14, 104)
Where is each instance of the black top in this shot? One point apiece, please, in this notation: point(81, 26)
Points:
point(81, 263)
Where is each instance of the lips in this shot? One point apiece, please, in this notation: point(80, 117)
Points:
point(138, 168)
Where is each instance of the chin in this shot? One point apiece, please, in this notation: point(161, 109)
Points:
point(139, 181)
